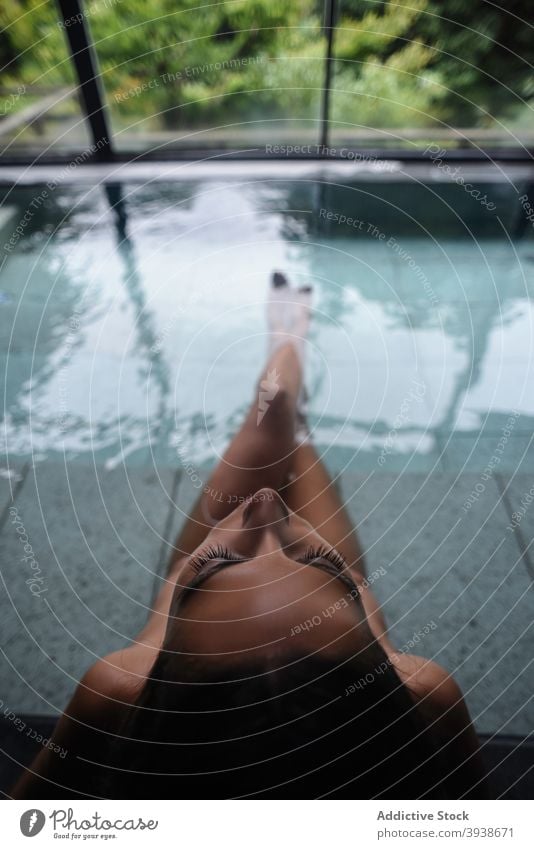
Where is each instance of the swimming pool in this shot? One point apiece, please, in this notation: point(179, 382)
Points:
point(132, 309)
point(134, 334)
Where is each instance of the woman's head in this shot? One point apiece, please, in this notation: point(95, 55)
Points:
point(263, 584)
point(270, 681)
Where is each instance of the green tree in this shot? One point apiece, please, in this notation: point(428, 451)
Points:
point(376, 86)
point(479, 56)
point(200, 62)
point(178, 64)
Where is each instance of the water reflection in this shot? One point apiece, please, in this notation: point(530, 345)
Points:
point(167, 285)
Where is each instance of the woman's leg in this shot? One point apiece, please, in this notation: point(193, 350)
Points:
point(259, 455)
point(312, 494)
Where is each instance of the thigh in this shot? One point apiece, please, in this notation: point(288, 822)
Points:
point(312, 494)
point(259, 455)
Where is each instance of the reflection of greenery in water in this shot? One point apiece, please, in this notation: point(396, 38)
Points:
point(414, 63)
point(150, 364)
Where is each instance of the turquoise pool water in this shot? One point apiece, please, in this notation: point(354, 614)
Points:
point(130, 349)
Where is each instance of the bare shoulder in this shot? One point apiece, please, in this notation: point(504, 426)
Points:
point(434, 688)
point(92, 717)
point(442, 704)
point(112, 684)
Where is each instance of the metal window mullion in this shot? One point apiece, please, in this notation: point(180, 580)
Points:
point(329, 25)
point(83, 57)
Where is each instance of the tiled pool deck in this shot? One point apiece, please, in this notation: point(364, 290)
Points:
point(93, 419)
point(101, 539)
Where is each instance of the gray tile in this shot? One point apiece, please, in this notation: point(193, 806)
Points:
point(518, 495)
point(96, 538)
point(459, 567)
point(12, 475)
point(473, 453)
point(187, 492)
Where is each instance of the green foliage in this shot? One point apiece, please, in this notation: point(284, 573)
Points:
point(185, 63)
point(484, 54)
point(188, 67)
point(32, 44)
point(480, 53)
point(378, 87)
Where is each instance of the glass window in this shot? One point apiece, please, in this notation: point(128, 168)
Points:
point(419, 72)
point(250, 75)
point(179, 73)
point(39, 108)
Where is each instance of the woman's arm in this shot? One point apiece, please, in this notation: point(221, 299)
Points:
point(82, 734)
point(461, 747)
point(442, 704)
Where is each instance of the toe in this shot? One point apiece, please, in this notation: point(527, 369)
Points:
point(278, 279)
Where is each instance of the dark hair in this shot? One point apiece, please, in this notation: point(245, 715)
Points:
point(305, 727)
